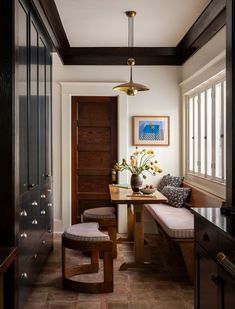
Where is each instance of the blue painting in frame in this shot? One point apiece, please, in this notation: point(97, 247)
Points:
point(151, 130)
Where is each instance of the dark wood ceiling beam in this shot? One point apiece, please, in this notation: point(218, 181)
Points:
point(212, 19)
point(206, 26)
point(49, 16)
point(119, 56)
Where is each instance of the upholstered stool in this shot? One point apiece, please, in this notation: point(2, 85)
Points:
point(87, 237)
point(106, 217)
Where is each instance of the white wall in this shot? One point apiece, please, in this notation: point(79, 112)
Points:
point(162, 99)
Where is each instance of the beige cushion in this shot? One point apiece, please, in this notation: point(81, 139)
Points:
point(85, 232)
point(100, 213)
point(176, 222)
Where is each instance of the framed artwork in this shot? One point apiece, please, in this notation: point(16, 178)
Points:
point(151, 130)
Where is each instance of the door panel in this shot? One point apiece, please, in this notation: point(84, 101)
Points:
point(33, 107)
point(94, 135)
point(94, 159)
point(94, 151)
point(89, 184)
point(42, 109)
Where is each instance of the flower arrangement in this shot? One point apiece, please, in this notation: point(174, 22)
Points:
point(140, 161)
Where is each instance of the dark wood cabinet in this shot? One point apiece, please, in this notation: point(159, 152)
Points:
point(215, 282)
point(35, 207)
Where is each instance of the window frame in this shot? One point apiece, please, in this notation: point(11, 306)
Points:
point(211, 183)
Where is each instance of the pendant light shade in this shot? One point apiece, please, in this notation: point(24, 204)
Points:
point(131, 88)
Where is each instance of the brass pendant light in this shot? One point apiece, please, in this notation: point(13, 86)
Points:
point(131, 88)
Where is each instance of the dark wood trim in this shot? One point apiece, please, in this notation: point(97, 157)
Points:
point(206, 26)
point(211, 20)
point(52, 14)
point(230, 106)
point(119, 55)
point(45, 20)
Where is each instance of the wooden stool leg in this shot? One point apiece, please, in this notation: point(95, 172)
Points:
point(108, 270)
point(95, 260)
point(63, 261)
point(112, 231)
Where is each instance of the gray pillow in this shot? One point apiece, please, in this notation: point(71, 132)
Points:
point(168, 180)
point(176, 196)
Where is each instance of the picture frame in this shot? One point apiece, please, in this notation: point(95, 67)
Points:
point(151, 130)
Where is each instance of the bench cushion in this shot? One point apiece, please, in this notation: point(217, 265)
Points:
point(176, 222)
point(100, 213)
point(85, 232)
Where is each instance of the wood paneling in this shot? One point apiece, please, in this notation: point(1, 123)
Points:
point(94, 136)
point(95, 158)
point(93, 183)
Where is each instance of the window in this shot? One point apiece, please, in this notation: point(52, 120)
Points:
point(206, 133)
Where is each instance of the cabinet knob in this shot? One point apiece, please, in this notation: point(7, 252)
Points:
point(48, 175)
point(35, 256)
point(23, 213)
point(43, 196)
point(43, 212)
point(43, 242)
point(205, 237)
point(35, 222)
point(32, 185)
point(49, 204)
point(23, 235)
point(24, 276)
point(34, 203)
point(49, 190)
point(216, 279)
point(49, 231)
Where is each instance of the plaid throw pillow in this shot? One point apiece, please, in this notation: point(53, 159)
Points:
point(176, 196)
point(168, 180)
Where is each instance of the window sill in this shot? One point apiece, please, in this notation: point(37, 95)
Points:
point(211, 186)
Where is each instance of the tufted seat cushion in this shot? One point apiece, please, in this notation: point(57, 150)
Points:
point(85, 232)
point(100, 213)
point(176, 222)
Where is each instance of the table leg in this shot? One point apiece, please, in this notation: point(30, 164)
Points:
point(139, 232)
point(138, 239)
point(130, 226)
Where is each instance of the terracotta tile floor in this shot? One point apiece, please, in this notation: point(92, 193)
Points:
point(166, 287)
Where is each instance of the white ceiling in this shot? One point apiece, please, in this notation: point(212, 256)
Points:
point(103, 23)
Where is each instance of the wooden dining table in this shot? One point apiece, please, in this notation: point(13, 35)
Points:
point(126, 196)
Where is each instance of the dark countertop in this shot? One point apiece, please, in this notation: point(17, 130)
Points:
point(7, 257)
point(214, 216)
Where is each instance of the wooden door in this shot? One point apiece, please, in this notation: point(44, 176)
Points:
point(94, 151)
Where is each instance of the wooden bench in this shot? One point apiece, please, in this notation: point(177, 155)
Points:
point(177, 224)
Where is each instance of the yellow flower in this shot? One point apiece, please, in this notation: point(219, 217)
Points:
point(156, 168)
point(133, 161)
point(117, 167)
point(140, 161)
